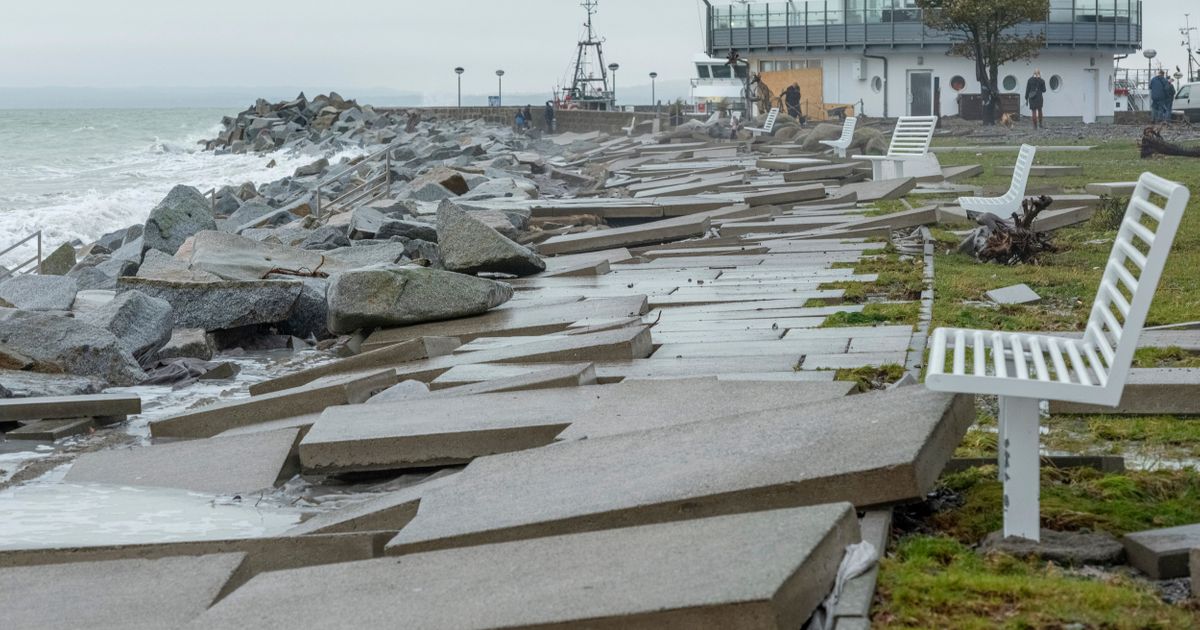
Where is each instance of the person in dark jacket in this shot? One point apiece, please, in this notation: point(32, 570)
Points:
point(548, 115)
point(1160, 107)
point(1035, 90)
point(792, 97)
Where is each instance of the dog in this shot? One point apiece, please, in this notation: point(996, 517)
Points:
point(1007, 120)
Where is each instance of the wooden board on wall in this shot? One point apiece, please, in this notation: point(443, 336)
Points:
point(812, 88)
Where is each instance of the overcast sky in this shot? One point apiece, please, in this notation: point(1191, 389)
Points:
point(407, 45)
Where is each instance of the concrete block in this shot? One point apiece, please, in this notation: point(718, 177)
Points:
point(1016, 294)
point(786, 195)
point(1162, 553)
point(388, 512)
point(570, 375)
point(1063, 217)
point(884, 189)
point(769, 569)
point(50, 430)
point(314, 397)
point(959, 173)
point(874, 449)
point(814, 173)
point(127, 594)
point(1155, 391)
point(222, 465)
point(383, 357)
point(672, 229)
point(1111, 189)
point(60, 407)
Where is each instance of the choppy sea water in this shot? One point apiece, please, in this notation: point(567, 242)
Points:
point(76, 174)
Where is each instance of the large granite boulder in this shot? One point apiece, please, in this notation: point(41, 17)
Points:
point(234, 257)
point(101, 271)
point(187, 343)
point(66, 345)
point(310, 318)
point(369, 255)
point(468, 246)
point(503, 188)
point(181, 214)
point(326, 238)
point(407, 229)
point(221, 305)
point(40, 293)
point(59, 262)
point(160, 266)
point(400, 296)
point(142, 324)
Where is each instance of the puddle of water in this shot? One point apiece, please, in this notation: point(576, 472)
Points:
point(44, 515)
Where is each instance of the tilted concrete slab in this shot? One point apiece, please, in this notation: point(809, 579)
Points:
point(877, 191)
point(785, 195)
point(50, 430)
point(122, 594)
point(324, 392)
point(1162, 553)
point(386, 356)
point(869, 449)
point(445, 431)
point(572, 375)
point(221, 465)
point(673, 229)
point(959, 173)
point(813, 173)
point(59, 407)
point(1152, 391)
point(767, 569)
point(388, 512)
point(532, 319)
point(1111, 189)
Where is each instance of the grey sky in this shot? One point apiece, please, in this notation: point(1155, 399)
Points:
point(404, 45)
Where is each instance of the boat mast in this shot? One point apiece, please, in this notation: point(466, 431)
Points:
point(581, 86)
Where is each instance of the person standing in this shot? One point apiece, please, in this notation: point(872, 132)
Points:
point(1158, 97)
point(792, 97)
point(548, 114)
point(1035, 90)
point(1169, 103)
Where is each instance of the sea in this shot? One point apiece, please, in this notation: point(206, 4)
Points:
point(78, 174)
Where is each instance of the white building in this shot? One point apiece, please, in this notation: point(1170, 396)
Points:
point(878, 55)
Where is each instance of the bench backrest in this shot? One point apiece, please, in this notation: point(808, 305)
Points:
point(1131, 277)
point(912, 135)
point(848, 129)
point(1021, 171)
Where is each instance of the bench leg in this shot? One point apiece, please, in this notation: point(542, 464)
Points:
point(1020, 466)
point(876, 170)
point(899, 169)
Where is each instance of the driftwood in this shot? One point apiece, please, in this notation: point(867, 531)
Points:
point(1011, 241)
point(1152, 143)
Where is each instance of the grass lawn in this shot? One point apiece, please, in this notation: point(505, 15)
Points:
point(933, 578)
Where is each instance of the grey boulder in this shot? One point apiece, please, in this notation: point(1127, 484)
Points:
point(407, 229)
point(59, 262)
point(401, 296)
point(468, 246)
point(63, 344)
point(187, 343)
point(221, 305)
point(181, 214)
point(141, 323)
point(40, 293)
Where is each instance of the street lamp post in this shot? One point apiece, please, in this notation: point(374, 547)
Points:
point(1149, 54)
point(500, 78)
point(654, 90)
point(614, 67)
point(459, 71)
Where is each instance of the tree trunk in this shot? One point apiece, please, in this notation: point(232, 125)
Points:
point(985, 83)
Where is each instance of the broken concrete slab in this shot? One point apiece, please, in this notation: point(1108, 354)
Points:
point(1016, 294)
point(445, 431)
point(386, 356)
point(127, 594)
point(859, 593)
point(1111, 189)
point(1067, 548)
point(50, 430)
point(672, 229)
point(1151, 391)
point(569, 375)
point(786, 195)
point(388, 512)
point(876, 448)
point(959, 173)
point(56, 407)
point(1162, 553)
point(877, 191)
point(221, 465)
point(313, 397)
point(814, 173)
point(720, 572)
point(1062, 217)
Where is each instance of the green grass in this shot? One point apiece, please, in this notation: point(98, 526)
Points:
point(1169, 357)
point(871, 378)
point(938, 582)
point(876, 314)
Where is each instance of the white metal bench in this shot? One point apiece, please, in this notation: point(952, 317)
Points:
point(842, 143)
point(1011, 201)
point(1024, 368)
point(910, 141)
point(632, 125)
point(769, 126)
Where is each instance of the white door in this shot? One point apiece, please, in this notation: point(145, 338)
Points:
point(1091, 93)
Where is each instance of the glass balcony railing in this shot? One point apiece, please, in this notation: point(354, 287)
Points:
point(817, 24)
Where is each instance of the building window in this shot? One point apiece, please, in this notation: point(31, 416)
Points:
point(958, 83)
point(1010, 83)
point(1055, 83)
point(877, 84)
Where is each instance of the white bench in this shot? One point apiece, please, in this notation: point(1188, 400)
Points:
point(842, 143)
point(910, 141)
point(772, 116)
point(1024, 368)
point(1010, 202)
point(632, 125)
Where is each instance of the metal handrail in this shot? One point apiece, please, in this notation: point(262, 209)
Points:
point(368, 190)
point(36, 259)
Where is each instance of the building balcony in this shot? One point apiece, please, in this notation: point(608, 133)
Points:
point(816, 26)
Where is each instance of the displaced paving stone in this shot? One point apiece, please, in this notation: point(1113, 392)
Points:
point(387, 356)
point(1157, 391)
point(1162, 553)
point(182, 213)
point(400, 296)
point(348, 389)
point(141, 323)
point(62, 344)
point(877, 191)
point(468, 246)
point(572, 375)
point(406, 390)
point(388, 512)
point(187, 343)
point(220, 465)
point(136, 594)
point(720, 572)
point(677, 228)
point(1111, 189)
point(33, 292)
point(791, 194)
point(62, 407)
point(221, 305)
point(734, 464)
point(1067, 548)
point(1016, 294)
point(50, 430)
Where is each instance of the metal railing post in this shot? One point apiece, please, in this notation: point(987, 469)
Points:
point(39, 243)
point(318, 201)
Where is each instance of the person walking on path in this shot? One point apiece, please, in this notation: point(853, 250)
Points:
point(1035, 90)
point(527, 114)
point(548, 115)
point(1160, 107)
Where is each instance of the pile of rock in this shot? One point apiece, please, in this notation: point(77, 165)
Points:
point(268, 126)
